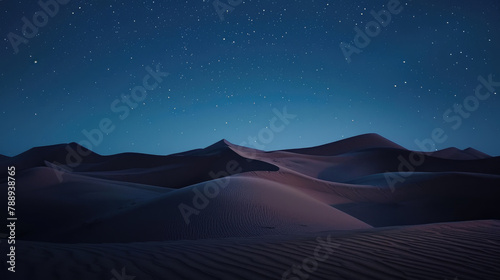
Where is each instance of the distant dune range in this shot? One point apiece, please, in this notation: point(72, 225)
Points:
point(263, 213)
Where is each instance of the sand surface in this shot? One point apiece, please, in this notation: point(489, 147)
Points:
point(464, 250)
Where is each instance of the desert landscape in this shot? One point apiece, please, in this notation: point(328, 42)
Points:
point(351, 209)
point(231, 139)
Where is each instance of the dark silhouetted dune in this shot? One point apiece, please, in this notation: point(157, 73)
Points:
point(476, 153)
point(356, 143)
point(55, 153)
point(457, 154)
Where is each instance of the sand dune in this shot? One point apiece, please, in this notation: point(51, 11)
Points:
point(356, 143)
point(231, 212)
point(476, 153)
point(245, 206)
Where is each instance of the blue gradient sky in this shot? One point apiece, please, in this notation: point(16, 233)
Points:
point(227, 76)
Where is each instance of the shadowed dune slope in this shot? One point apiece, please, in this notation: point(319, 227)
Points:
point(356, 143)
point(98, 210)
point(457, 154)
point(174, 171)
point(346, 167)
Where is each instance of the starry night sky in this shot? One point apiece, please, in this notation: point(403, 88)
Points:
point(226, 76)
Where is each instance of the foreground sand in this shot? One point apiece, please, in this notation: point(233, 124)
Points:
point(463, 250)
